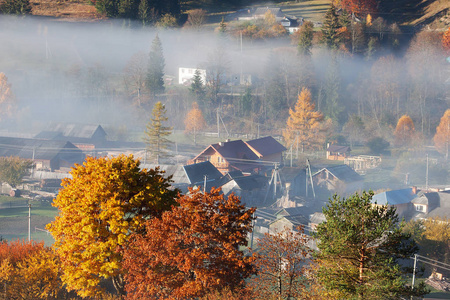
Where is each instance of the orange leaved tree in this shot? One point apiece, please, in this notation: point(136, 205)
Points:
point(29, 270)
point(363, 7)
point(304, 125)
point(404, 132)
point(105, 201)
point(282, 261)
point(192, 250)
point(446, 41)
point(194, 121)
point(442, 136)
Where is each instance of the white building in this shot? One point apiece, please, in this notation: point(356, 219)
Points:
point(185, 75)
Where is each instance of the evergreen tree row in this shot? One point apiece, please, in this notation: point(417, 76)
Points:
point(145, 10)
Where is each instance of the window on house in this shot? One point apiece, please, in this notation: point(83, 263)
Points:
point(419, 208)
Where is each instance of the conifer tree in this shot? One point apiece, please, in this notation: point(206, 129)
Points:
point(305, 38)
point(155, 74)
point(360, 246)
point(332, 91)
point(156, 133)
point(330, 29)
point(15, 7)
point(144, 12)
point(304, 124)
point(197, 87)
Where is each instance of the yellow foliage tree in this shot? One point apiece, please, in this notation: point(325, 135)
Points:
point(442, 136)
point(29, 271)
point(404, 132)
point(194, 121)
point(304, 126)
point(105, 201)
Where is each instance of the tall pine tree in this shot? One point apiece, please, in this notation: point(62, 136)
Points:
point(360, 246)
point(330, 29)
point(155, 74)
point(156, 133)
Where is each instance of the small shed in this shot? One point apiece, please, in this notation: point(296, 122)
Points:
point(336, 152)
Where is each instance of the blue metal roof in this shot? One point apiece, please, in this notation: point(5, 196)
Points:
point(394, 197)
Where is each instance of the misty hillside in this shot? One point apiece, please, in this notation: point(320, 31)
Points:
point(435, 13)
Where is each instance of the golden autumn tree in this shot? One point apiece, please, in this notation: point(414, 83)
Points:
point(29, 270)
point(442, 137)
point(105, 201)
point(281, 260)
point(304, 126)
point(193, 250)
point(194, 121)
point(405, 131)
point(446, 41)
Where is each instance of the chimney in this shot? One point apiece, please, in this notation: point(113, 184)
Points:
point(414, 190)
point(221, 144)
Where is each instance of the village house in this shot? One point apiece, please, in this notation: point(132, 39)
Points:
point(289, 218)
point(199, 173)
point(84, 136)
point(400, 199)
point(247, 157)
point(46, 154)
point(340, 179)
point(186, 75)
point(431, 205)
point(336, 152)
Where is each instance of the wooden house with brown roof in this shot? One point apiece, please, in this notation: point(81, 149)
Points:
point(238, 155)
point(267, 149)
point(336, 152)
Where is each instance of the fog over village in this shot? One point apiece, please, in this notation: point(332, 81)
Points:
point(224, 150)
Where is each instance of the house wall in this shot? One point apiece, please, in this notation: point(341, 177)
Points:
point(352, 187)
point(402, 208)
point(280, 225)
point(421, 207)
point(215, 159)
point(276, 157)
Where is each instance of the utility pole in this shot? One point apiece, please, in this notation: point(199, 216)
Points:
point(218, 124)
point(414, 271)
point(426, 176)
point(29, 222)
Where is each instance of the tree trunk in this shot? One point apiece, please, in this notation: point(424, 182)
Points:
point(119, 284)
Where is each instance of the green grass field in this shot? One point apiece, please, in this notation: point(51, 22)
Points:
point(14, 220)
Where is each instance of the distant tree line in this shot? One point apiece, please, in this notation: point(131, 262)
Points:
point(15, 7)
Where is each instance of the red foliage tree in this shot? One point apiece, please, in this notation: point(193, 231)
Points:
point(192, 250)
point(18, 250)
point(446, 41)
point(360, 7)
